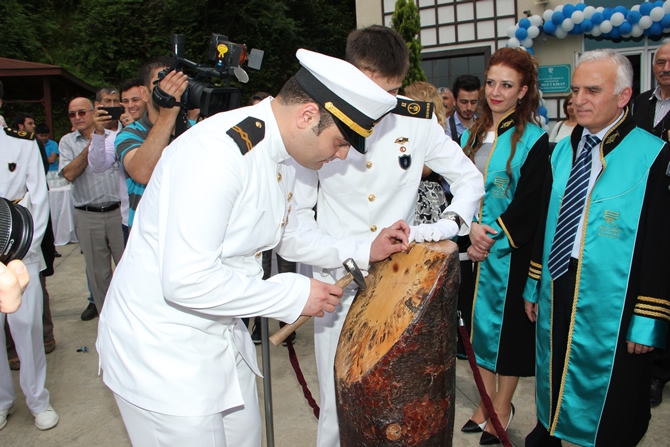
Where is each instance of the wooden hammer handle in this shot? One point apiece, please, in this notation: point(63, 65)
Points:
point(285, 331)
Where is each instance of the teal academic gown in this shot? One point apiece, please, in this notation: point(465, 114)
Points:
point(502, 334)
point(621, 291)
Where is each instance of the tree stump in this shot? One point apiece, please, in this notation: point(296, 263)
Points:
point(395, 366)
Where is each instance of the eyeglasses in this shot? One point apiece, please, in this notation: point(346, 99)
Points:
point(80, 113)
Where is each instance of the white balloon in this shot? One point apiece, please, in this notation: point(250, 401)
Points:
point(548, 13)
point(600, 9)
point(527, 42)
point(543, 120)
point(535, 20)
point(589, 10)
point(577, 17)
point(511, 31)
point(637, 31)
point(558, 8)
point(636, 8)
point(617, 19)
point(533, 31)
point(560, 33)
point(606, 26)
point(541, 95)
point(666, 7)
point(567, 25)
point(645, 22)
point(595, 32)
point(657, 14)
point(513, 42)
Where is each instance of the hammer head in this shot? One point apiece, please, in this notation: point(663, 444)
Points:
point(356, 273)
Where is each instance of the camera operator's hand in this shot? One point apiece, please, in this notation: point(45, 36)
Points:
point(174, 84)
point(100, 119)
point(13, 281)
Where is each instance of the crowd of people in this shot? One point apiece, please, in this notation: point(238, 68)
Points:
point(561, 236)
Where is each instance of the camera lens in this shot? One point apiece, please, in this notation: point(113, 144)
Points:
point(16, 231)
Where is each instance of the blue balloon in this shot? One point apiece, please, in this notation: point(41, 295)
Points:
point(530, 50)
point(633, 17)
point(621, 9)
point(524, 23)
point(521, 33)
point(568, 9)
point(587, 25)
point(549, 27)
point(656, 29)
point(647, 32)
point(542, 110)
point(557, 17)
point(607, 13)
point(597, 18)
point(626, 28)
point(577, 29)
point(615, 33)
point(580, 6)
point(646, 7)
point(666, 21)
point(658, 4)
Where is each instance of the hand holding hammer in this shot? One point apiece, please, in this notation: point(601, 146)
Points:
point(353, 274)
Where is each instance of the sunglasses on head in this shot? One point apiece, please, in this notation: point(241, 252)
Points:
point(80, 113)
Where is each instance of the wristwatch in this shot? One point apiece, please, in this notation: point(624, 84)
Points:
point(450, 215)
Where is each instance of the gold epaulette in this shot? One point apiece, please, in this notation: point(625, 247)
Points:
point(22, 134)
point(247, 133)
point(416, 109)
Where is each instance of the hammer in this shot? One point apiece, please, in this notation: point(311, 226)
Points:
point(353, 274)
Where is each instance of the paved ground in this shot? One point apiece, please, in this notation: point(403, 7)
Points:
point(89, 417)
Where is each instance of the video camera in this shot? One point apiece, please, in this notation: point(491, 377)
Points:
point(200, 94)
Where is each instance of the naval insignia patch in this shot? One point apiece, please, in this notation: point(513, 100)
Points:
point(405, 161)
point(11, 166)
point(415, 109)
point(247, 133)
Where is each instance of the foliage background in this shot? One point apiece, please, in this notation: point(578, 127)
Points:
point(104, 43)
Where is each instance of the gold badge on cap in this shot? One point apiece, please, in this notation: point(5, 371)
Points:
point(401, 140)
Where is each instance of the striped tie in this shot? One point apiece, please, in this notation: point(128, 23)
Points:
point(571, 210)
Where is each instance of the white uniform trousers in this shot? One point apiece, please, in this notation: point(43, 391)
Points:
point(326, 336)
point(237, 427)
point(26, 327)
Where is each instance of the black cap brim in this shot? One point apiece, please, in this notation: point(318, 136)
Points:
point(356, 140)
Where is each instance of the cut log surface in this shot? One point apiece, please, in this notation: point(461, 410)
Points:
point(395, 362)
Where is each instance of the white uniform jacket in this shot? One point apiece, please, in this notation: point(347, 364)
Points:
point(364, 193)
point(167, 335)
point(23, 178)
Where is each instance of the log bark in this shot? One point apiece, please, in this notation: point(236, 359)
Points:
point(395, 364)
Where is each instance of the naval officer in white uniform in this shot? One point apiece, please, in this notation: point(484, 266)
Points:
point(172, 349)
point(366, 192)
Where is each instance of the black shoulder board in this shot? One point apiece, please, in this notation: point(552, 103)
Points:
point(417, 109)
point(247, 133)
point(19, 134)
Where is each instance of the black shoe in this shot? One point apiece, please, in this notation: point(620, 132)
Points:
point(473, 427)
point(256, 335)
point(290, 337)
point(57, 255)
point(489, 439)
point(90, 312)
point(656, 392)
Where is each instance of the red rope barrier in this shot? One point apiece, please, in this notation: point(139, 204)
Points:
point(293, 358)
point(493, 417)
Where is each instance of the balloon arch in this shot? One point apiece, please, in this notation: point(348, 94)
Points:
point(650, 19)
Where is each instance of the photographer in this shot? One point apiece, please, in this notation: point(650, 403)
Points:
point(140, 145)
point(24, 182)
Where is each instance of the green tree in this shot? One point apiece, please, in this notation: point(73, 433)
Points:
point(407, 21)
